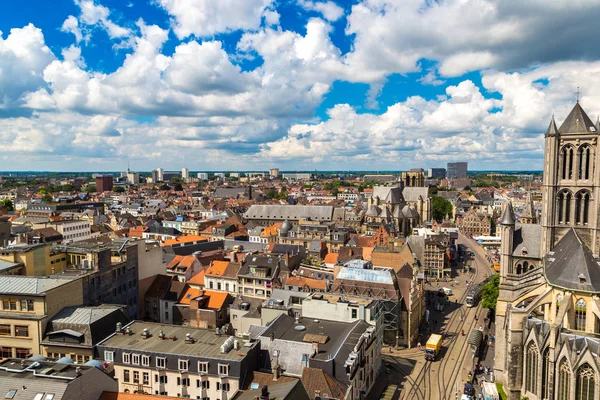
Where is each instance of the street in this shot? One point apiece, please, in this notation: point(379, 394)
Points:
point(444, 378)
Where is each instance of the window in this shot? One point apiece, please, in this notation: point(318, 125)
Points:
point(11, 394)
point(21, 331)
point(6, 352)
point(126, 358)
point(585, 384)
point(224, 387)
point(136, 376)
point(22, 353)
point(125, 375)
point(135, 359)
point(183, 365)
point(109, 356)
point(12, 305)
point(161, 362)
point(203, 384)
point(531, 365)
point(580, 315)
point(5, 304)
point(5, 330)
point(354, 313)
point(564, 381)
point(49, 396)
point(203, 367)
point(23, 305)
point(161, 378)
point(146, 361)
point(183, 381)
point(145, 378)
point(223, 369)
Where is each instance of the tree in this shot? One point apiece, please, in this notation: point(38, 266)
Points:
point(489, 294)
point(68, 188)
point(8, 204)
point(164, 186)
point(440, 208)
point(178, 187)
point(90, 189)
point(119, 189)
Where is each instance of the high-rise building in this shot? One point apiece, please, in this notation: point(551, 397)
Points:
point(104, 183)
point(457, 170)
point(274, 172)
point(160, 174)
point(154, 176)
point(436, 173)
point(203, 176)
point(133, 178)
point(185, 174)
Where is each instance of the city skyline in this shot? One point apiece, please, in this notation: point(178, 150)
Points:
point(301, 85)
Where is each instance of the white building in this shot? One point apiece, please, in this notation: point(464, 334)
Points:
point(220, 175)
point(160, 174)
point(73, 230)
point(185, 174)
point(203, 176)
point(274, 172)
point(133, 178)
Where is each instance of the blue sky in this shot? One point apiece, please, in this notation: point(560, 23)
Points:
point(298, 84)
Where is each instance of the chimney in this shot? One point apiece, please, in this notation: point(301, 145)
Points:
point(276, 372)
point(264, 393)
point(271, 337)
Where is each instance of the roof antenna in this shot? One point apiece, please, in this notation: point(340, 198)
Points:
point(578, 94)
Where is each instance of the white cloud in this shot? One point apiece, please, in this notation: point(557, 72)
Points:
point(328, 9)
point(23, 57)
point(205, 17)
point(71, 25)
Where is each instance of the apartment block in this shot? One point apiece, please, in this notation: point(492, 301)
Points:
point(179, 361)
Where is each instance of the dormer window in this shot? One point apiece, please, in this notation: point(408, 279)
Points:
point(582, 279)
point(524, 251)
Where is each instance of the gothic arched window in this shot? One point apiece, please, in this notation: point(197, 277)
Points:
point(559, 209)
point(585, 153)
point(580, 315)
point(586, 383)
point(564, 161)
point(570, 171)
point(519, 269)
point(559, 300)
point(578, 208)
point(564, 381)
point(586, 207)
point(545, 369)
point(567, 207)
point(531, 368)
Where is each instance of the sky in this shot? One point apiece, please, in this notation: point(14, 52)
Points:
point(97, 85)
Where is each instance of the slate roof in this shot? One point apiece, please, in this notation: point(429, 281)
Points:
point(577, 122)
point(388, 194)
point(95, 323)
point(508, 217)
point(292, 213)
point(527, 237)
point(412, 194)
point(571, 260)
point(278, 390)
point(552, 129)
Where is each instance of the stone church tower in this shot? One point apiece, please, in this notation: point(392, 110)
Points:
point(550, 270)
point(571, 184)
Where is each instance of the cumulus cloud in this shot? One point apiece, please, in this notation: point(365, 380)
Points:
point(392, 36)
point(328, 9)
point(23, 58)
point(205, 17)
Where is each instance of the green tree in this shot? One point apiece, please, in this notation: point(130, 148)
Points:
point(7, 203)
point(178, 187)
point(440, 208)
point(90, 189)
point(47, 198)
point(489, 294)
point(271, 194)
point(68, 188)
point(119, 189)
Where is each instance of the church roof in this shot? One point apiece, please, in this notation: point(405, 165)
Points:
point(577, 122)
point(571, 265)
point(527, 241)
point(508, 218)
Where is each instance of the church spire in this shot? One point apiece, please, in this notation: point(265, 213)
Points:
point(552, 129)
point(528, 215)
point(508, 218)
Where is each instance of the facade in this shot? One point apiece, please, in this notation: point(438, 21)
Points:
point(436, 173)
point(179, 361)
point(222, 276)
point(274, 173)
point(104, 183)
point(547, 308)
point(388, 206)
point(185, 174)
point(457, 170)
point(28, 303)
point(414, 178)
point(257, 273)
point(203, 176)
point(476, 224)
point(133, 178)
point(73, 230)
